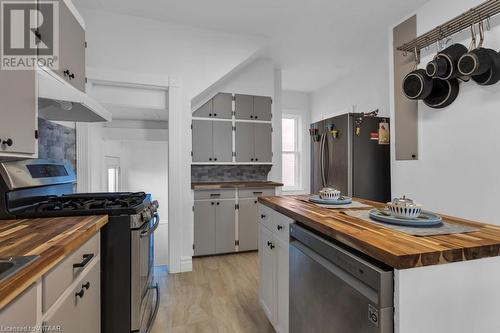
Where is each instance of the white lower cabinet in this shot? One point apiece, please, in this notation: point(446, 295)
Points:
point(267, 288)
point(66, 299)
point(273, 266)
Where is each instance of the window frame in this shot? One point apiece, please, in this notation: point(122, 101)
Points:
point(297, 152)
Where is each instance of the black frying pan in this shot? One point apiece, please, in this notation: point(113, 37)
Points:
point(444, 92)
point(492, 75)
point(417, 84)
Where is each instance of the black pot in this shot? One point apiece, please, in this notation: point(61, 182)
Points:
point(444, 92)
point(437, 67)
point(475, 62)
point(445, 63)
point(417, 84)
point(492, 75)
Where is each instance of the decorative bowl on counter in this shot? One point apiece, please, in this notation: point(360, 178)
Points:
point(404, 208)
point(328, 193)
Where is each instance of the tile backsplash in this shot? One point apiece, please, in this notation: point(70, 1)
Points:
point(226, 173)
point(56, 142)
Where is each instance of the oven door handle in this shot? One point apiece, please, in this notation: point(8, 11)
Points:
point(149, 231)
point(155, 311)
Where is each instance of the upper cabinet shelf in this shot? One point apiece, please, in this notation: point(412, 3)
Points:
point(219, 107)
point(245, 107)
point(248, 107)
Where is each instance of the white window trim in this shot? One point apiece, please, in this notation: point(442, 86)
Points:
point(297, 152)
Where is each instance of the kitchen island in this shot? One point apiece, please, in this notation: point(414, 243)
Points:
point(446, 283)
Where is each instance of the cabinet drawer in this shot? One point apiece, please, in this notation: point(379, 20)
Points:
point(282, 227)
point(80, 310)
point(211, 194)
point(60, 277)
point(21, 311)
point(256, 192)
point(265, 216)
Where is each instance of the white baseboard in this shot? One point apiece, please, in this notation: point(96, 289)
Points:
point(186, 264)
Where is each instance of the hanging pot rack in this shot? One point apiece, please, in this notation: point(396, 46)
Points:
point(464, 21)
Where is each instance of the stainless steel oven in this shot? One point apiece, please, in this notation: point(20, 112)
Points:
point(144, 293)
point(335, 290)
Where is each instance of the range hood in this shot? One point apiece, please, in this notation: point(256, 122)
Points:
point(58, 100)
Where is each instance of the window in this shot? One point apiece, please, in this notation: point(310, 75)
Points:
point(291, 152)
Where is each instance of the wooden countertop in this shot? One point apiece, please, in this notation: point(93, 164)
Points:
point(396, 249)
point(50, 238)
point(241, 184)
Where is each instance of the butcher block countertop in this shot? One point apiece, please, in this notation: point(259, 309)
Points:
point(396, 249)
point(52, 239)
point(241, 184)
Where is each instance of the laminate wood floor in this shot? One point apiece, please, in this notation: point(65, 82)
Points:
point(220, 295)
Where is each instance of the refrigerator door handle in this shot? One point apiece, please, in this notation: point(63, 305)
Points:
point(322, 164)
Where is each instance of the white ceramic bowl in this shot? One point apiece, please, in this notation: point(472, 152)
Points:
point(329, 194)
point(405, 211)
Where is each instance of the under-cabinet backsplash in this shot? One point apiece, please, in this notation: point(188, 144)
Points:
point(227, 173)
point(56, 142)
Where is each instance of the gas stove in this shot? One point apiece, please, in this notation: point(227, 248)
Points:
point(44, 188)
point(85, 204)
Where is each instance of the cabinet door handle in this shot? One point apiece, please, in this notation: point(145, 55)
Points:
point(269, 243)
point(215, 158)
point(210, 115)
point(263, 216)
point(86, 258)
point(9, 142)
point(280, 227)
point(80, 294)
point(71, 76)
point(86, 285)
point(218, 203)
point(255, 201)
point(212, 203)
point(215, 114)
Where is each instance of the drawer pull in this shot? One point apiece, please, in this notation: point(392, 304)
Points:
point(86, 258)
point(257, 193)
point(214, 195)
point(86, 285)
point(263, 216)
point(280, 227)
point(80, 294)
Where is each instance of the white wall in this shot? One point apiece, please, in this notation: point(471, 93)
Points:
point(299, 104)
point(198, 56)
point(457, 170)
point(363, 90)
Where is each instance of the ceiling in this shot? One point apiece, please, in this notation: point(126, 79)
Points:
point(314, 42)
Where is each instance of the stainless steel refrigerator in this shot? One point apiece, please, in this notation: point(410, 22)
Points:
point(347, 155)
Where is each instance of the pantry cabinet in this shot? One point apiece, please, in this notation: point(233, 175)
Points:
point(219, 107)
point(212, 141)
point(253, 142)
point(226, 220)
point(214, 226)
point(248, 107)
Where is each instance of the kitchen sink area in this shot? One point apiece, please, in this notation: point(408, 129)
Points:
point(9, 266)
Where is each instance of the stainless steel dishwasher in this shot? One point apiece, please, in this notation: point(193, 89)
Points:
point(333, 290)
